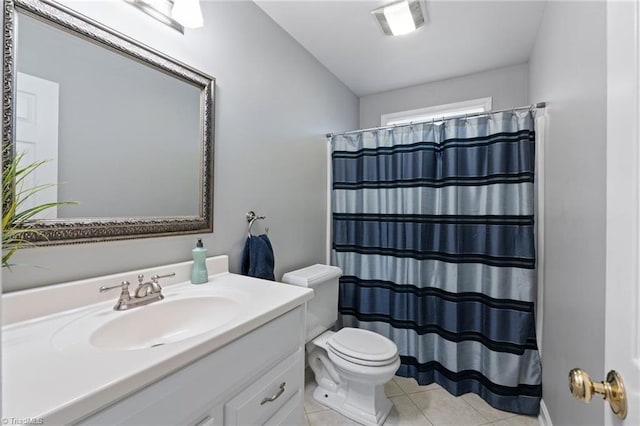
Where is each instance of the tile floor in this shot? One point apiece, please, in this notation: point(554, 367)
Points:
point(415, 405)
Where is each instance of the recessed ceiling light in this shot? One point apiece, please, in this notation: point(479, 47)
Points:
point(400, 17)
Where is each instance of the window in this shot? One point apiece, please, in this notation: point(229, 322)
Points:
point(437, 112)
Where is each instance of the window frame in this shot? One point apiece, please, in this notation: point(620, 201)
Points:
point(437, 112)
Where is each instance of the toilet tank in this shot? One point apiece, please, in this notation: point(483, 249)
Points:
point(322, 310)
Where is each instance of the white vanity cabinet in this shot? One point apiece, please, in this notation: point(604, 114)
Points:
point(254, 380)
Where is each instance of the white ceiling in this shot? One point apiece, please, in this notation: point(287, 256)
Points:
point(460, 37)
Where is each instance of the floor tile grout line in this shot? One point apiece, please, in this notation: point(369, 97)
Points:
point(418, 390)
point(319, 411)
point(509, 415)
point(474, 409)
point(420, 411)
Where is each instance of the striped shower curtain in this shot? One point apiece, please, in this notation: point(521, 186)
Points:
point(433, 227)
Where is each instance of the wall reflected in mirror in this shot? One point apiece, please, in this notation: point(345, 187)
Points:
point(124, 139)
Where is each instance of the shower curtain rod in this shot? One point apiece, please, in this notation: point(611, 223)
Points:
point(475, 114)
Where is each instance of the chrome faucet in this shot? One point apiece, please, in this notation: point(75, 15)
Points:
point(144, 294)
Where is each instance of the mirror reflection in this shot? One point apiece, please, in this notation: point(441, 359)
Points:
point(122, 138)
point(126, 131)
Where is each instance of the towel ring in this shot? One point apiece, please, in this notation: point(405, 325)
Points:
point(252, 217)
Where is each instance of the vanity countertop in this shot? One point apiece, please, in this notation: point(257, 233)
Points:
point(46, 381)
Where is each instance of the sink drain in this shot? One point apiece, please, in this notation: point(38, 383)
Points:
point(156, 345)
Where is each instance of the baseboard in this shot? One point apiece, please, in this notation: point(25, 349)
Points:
point(543, 418)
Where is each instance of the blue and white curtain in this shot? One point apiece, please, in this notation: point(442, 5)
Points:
point(433, 226)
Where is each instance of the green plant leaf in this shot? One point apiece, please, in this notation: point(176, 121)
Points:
point(19, 223)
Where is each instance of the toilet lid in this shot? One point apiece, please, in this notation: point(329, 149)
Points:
point(363, 347)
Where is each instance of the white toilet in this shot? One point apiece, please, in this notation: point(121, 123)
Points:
point(351, 366)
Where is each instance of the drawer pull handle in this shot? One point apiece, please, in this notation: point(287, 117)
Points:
point(276, 396)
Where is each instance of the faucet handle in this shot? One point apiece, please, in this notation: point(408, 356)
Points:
point(125, 297)
point(124, 285)
point(140, 279)
point(154, 281)
point(156, 277)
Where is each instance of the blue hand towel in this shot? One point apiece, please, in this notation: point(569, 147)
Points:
point(257, 258)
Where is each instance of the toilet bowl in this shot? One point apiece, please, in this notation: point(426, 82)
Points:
point(360, 370)
point(351, 366)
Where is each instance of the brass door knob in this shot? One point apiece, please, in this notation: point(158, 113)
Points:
point(612, 390)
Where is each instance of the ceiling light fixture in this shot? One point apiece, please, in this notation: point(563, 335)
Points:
point(160, 10)
point(188, 13)
point(400, 17)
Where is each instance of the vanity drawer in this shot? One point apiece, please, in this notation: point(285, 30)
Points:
point(291, 413)
point(256, 404)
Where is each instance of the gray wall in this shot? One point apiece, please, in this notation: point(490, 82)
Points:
point(507, 86)
point(567, 69)
point(274, 103)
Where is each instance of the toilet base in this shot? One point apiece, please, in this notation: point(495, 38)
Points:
point(370, 407)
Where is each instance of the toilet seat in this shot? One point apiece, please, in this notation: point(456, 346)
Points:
point(362, 347)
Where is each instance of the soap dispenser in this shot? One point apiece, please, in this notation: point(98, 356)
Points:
point(199, 273)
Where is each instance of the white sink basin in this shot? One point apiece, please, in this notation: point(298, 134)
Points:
point(157, 324)
point(164, 322)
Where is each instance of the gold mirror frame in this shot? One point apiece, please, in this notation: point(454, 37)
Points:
point(78, 230)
